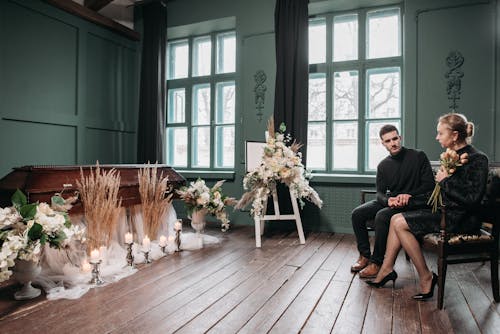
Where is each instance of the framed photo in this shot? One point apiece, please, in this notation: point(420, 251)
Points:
point(253, 154)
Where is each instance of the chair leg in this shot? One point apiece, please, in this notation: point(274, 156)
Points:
point(494, 277)
point(442, 266)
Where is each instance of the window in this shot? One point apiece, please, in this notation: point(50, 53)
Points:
point(354, 88)
point(201, 101)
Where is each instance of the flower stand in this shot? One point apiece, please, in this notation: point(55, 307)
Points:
point(259, 220)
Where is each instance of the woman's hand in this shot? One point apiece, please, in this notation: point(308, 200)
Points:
point(441, 174)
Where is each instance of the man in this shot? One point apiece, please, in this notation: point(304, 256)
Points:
point(404, 181)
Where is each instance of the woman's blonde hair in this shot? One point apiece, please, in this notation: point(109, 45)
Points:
point(458, 122)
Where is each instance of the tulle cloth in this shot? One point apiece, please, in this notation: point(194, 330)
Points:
point(62, 275)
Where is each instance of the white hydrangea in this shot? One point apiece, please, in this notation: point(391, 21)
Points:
point(8, 216)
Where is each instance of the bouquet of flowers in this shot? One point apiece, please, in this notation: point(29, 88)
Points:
point(198, 196)
point(450, 161)
point(26, 228)
point(280, 163)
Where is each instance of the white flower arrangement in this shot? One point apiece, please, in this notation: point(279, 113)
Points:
point(198, 196)
point(26, 228)
point(280, 164)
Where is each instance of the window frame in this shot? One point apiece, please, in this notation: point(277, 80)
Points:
point(188, 83)
point(361, 65)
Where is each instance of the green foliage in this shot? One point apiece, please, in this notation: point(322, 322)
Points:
point(35, 232)
point(282, 127)
point(28, 211)
point(19, 199)
point(57, 200)
point(55, 241)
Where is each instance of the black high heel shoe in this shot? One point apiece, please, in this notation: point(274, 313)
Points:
point(425, 296)
point(389, 277)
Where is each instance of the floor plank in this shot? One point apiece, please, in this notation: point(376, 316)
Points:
point(282, 287)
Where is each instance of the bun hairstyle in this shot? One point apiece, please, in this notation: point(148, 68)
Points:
point(458, 122)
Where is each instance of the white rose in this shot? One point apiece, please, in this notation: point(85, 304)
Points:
point(203, 199)
point(44, 208)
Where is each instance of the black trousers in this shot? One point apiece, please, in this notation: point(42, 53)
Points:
point(382, 216)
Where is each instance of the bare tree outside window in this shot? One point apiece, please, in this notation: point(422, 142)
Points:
point(357, 91)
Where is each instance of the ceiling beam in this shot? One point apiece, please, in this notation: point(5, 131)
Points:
point(96, 4)
point(92, 16)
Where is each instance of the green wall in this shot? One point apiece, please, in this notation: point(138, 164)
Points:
point(68, 89)
point(432, 28)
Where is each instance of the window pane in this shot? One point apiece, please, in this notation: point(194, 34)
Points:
point(177, 146)
point(224, 143)
point(345, 37)
point(176, 105)
point(383, 93)
point(383, 34)
point(201, 146)
point(316, 146)
point(345, 145)
point(201, 104)
point(225, 100)
point(178, 59)
point(226, 52)
point(376, 152)
point(317, 97)
point(345, 95)
point(202, 56)
point(317, 41)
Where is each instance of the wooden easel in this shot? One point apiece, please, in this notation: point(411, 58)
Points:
point(259, 220)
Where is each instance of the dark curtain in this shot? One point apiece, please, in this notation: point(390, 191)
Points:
point(151, 128)
point(291, 92)
point(292, 70)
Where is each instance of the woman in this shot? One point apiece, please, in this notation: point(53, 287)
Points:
point(462, 192)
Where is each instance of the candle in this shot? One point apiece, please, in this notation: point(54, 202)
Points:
point(146, 243)
point(163, 241)
point(128, 238)
point(86, 267)
point(94, 255)
point(178, 225)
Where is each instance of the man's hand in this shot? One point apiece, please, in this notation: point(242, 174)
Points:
point(399, 201)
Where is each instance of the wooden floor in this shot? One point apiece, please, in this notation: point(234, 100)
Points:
point(281, 288)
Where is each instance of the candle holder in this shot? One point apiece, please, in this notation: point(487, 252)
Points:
point(178, 241)
point(146, 257)
point(130, 256)
point(96, 274)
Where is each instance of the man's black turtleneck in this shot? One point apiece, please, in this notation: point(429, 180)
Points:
point(407, 172)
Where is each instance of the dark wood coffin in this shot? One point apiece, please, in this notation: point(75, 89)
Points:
point(39, 183)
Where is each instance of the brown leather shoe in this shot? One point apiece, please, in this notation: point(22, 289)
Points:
point(360, 264)
point(370, 271)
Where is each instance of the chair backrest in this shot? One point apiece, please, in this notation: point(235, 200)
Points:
point(491, 200)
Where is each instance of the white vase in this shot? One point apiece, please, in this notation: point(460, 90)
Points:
point(198, 224)
point(25, 272)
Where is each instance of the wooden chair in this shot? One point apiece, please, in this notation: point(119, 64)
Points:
point(452, 249)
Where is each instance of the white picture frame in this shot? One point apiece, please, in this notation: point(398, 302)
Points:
point(253, 154)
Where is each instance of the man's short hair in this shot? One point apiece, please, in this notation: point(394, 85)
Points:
point(386, 129)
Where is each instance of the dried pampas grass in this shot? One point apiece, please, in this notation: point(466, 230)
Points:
point(99, 195)
point(155, 204)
